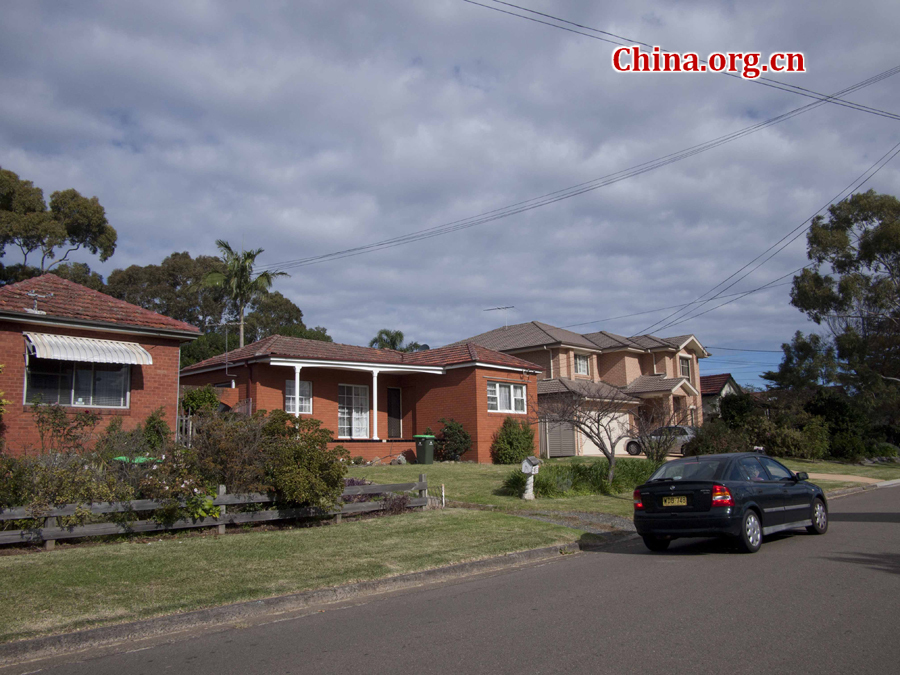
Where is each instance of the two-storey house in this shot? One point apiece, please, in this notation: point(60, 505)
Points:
point(653, 371)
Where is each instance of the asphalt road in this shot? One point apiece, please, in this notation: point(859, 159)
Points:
point(803, 604)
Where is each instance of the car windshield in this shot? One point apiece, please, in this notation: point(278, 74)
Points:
point(704, 469)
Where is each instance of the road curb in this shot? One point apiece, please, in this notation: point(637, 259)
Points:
point(844, 492)
point(24, 650)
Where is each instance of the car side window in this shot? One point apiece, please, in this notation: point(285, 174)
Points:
point(736, 472)
point(776, 470)
point(752, 470)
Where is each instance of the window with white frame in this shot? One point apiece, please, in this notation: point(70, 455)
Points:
point(506, 398)
point(305, 397)
point(582, 364)
point(685, 366)
point(353, 411)
point(95, 385)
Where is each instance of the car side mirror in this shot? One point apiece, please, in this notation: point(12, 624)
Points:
point(802, 475)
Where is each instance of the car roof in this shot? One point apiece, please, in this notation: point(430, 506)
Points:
point(723, 455)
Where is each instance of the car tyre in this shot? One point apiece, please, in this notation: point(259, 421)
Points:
point(655, 543)
point(633, 448)
point(750, 538)
point(819, 517)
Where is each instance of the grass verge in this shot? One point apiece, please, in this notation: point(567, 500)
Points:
point(880, 471)
point(482, 484)
point(84, 587)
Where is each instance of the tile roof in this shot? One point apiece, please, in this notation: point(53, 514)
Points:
point(648, 384)
point(299, 348)
point(712, 384)
point(75, 302)
point(538, 334)
point(531, 334)
point(598, 390)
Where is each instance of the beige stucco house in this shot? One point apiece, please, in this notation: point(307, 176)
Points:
point(654, 371)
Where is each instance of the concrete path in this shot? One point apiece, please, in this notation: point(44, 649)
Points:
point(843, 477)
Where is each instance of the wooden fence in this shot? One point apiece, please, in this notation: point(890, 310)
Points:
point(51, 531)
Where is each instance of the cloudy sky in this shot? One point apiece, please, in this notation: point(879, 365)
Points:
point(309, 128)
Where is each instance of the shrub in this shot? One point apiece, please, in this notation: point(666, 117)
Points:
point(735, 409)
point(513, 442)
point(58, 478)
point(395, 504)
point(300, 467)
point(12, 481)
point(716, 437)
point(452, 442)
point(883, 449)
point(847, 446)
point(176, 478)
point(815, 438)
point(231, 450)
point(155, 430)
point(203, 399)
point(61, 433)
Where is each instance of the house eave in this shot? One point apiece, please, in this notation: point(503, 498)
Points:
point(63, 322)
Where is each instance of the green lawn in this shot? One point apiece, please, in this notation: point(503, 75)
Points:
point(482, 483)
point(81, 587)
point(882, 471)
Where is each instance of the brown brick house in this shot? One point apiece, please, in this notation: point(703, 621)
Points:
point(376, 400)
point(63, 343)
point(652, 370)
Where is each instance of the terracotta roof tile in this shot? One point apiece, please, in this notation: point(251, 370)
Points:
point(712, 384)
point(646, 384)
point(78, 303)
point(298, 348)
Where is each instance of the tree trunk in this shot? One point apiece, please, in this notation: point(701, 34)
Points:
point(612, 466)
point(241, 315)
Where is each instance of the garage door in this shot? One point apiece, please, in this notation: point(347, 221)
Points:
point(559, 440)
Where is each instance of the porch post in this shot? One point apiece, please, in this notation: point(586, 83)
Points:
point(375, 405)
point(297, 391)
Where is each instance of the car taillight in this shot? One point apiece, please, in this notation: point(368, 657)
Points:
point(638, 504)
point(721, 496)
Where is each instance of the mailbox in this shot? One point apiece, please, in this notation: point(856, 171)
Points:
point(531, 465)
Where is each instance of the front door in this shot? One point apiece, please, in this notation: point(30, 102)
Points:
point(395, 415)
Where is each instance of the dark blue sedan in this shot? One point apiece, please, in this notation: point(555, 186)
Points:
point(744, 496)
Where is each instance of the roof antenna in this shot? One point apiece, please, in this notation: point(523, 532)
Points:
point(36, 296)
point(502, 309)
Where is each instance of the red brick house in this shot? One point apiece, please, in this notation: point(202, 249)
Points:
point(63, 343)
point(376, 400)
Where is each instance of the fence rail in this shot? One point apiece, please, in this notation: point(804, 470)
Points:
point(50, 532)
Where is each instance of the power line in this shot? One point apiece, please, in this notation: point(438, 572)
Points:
point(569, 192)
point(734, 349)
point(627, 42)
point(857, 183)
point(660, 309)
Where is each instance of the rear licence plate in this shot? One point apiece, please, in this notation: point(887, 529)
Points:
point(675, 501)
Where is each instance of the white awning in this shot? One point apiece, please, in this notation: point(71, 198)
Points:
point(86, 350)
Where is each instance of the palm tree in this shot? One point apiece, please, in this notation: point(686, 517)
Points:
point(387, 339)
point(238, 281)
point(393, 339)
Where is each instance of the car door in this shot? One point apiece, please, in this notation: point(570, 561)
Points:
point(765, 491)
point(797, 496)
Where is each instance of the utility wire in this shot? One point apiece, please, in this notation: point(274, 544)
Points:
point(734, 349)
point(857, 183)
point(660, 309)
point(572, 191)
point(622, 41)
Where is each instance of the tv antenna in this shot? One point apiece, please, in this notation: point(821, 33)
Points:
point(501, 309)
point(37, 296)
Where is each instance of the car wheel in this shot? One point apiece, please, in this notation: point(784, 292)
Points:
point(819, 518)
point(750, 538)
point(655, 543)
point(633, 448)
